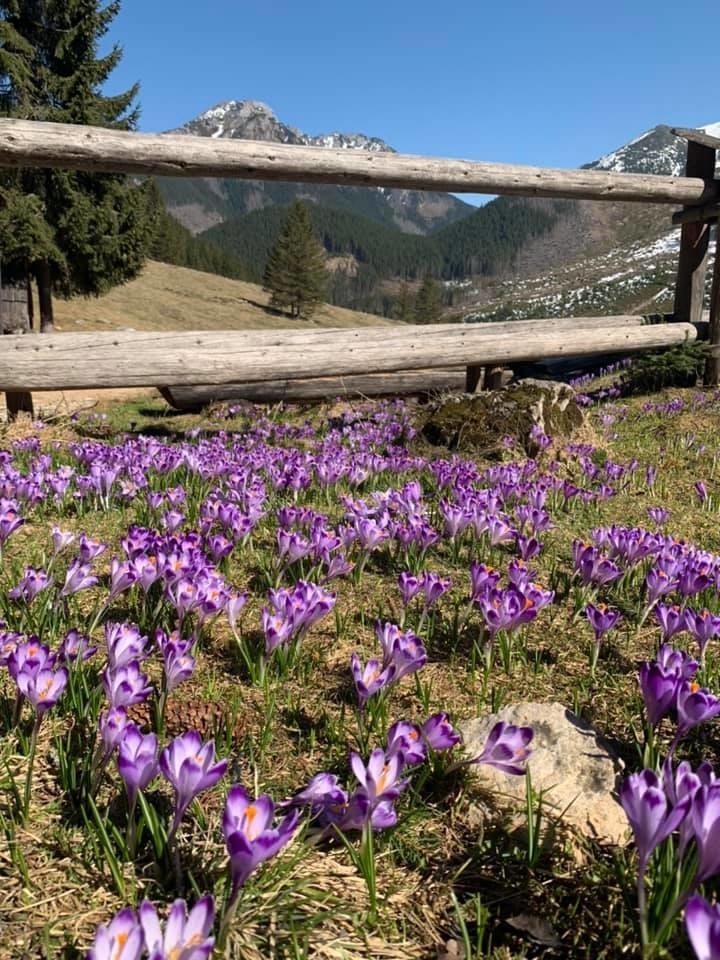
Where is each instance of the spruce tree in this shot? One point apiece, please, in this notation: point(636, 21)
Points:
point(404, 309)
point(83, 233)
point(295, 274)
point(427, 304)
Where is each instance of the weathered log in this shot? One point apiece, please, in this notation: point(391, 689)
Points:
point(26, 143)
point(133, 358)
point(319, 388)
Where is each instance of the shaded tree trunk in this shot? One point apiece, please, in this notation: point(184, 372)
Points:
point(44, 283)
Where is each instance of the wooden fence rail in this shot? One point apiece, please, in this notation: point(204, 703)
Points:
point(26, 143)
point(222, 359)
point(78, 360)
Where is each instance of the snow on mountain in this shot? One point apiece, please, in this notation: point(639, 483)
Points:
point(656, 151)
point(255, 120)
point(202, 205)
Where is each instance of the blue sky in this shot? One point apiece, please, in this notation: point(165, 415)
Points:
point(549, 82)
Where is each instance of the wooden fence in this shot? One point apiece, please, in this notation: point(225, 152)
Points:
point(57, 361)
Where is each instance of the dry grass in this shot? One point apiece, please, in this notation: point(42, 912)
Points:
point(446, 842)
point(165, 297)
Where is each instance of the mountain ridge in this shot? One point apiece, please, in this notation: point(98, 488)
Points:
point(369, 261)
point(203, 203)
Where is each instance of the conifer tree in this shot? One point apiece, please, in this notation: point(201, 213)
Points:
point(427, 304)
point(80, 233)
point(404, 308)
point(295, 274)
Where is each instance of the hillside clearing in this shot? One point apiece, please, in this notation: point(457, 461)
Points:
point(166, 297)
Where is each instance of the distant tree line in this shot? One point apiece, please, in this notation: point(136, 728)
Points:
point(173, 243)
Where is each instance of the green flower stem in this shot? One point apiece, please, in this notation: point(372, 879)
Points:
point(31, 764)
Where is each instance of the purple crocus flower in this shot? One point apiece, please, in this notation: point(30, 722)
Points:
point(126, 685)
point(189, 765)
point(43, 688)
point(186, 934)
point(506, 748)
point(121, 939)
point(592, 566)
point(685, 783)
point(651, 816)
point(249, 835)
point(528, 547)
point(144, 569)
point(694, 706)
point(234, 605)
point(112, 725)
point(124, 644)
point(33, 582)
point(406, 739)
point(659, 690)
point(122, 577)
point(61, 539)
point(10, 519)
point(659, 515)
point(678, 661)
point(89, 549)
point(379, 779)
point(277, 629)
point(410, 586)
point(434, 586)
point(75, 646)
point(658, 584)
point(78, 577)
point(137, 761)
point(482, 580)
point(701, 491)
point(30, 656)
point(702, 923)
point(671, 619)
point(438, 732)
point(323, 792)
point(601, 618)
point(407, 655)
point(371, 678)
point(705, 819)
point(179, 663)
point(171, 520)
point(703, 626)
point(694, 578)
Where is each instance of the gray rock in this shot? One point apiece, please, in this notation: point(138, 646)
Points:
point(576, 772)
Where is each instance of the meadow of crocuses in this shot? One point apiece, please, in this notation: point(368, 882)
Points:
point(236, 655)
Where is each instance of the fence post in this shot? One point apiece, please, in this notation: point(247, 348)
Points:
point(690, 283)
point(474, 375)
point(15, 318)
point(712, 364)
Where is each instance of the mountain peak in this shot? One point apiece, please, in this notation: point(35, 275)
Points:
point(245, 108)
point(255, 120)
point(657, 151)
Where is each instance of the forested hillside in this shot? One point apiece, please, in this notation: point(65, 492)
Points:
point(486, 242)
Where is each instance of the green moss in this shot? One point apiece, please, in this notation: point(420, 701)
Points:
point(478, 422)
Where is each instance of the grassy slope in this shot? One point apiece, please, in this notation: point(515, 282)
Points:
point(165, 297)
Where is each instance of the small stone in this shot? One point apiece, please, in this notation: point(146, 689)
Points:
point(576, 772)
